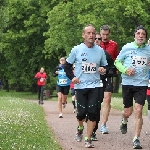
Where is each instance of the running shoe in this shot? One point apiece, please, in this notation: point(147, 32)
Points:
point(42, 102)
point(123, 128)
point(93, 137)
point(74, 111)
point(63, 105)
point(136, 144)
point(103, 129)
point(79, 135)
point(60, 115)
point(88, 144)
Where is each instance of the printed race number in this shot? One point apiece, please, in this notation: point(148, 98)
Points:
point(88, 67)
point(62, 81)
point(42, 80)
point(139, 61)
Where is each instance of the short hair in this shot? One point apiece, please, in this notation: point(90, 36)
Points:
point(105, 27)
point(97, 33)
point(89, 25)
point(63, 58)
point(140, 27)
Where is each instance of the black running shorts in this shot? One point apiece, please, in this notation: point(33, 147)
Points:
point(129, 92)
point(63, 89)
point(108, 85)
point(88, 102)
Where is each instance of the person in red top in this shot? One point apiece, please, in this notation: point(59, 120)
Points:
point(112, 48)
point(41, 81)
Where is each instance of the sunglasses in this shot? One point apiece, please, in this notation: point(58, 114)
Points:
point(98, 39)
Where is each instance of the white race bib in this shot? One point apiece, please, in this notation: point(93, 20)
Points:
point(88, 67)
point(139, 61)
point(101, 83)
point(62, 81)
point(42, 80)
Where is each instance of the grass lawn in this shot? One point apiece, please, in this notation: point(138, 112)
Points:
point(23, 126)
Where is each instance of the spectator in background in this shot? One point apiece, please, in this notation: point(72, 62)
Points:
point(41, 81)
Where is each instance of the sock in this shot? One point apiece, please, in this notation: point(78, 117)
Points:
point(73, 102)
point(135, 137)
point(124, 121)
point(103, 125)
point(149, 115)
point(80, 127)
point(86, 138)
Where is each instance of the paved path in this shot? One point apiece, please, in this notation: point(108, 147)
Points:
point(65, 128)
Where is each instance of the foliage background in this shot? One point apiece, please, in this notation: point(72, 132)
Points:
point(36, 33)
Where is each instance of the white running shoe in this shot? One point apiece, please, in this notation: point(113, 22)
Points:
point(60, 115)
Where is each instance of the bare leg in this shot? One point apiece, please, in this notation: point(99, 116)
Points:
point(59, 102)
point(138, 119)
point(106, 107)
point(64, 98)
point(90, 127)
point(126, 113)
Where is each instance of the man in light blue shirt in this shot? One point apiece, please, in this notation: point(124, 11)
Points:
point(133, 61)
point(89, 60)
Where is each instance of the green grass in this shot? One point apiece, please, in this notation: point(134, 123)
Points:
point(26, 95)
point(116, 103)
point(23, 126)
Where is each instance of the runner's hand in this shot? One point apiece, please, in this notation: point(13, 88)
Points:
point(75, 80)
point(130, 71)
point(102, 70)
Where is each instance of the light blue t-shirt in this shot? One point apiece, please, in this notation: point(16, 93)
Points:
point(87, 61)
point(138, 58)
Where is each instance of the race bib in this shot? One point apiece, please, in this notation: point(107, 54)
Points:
point(139, 61)
point(88, 67)
point(42, 80)
point(101, 83)
point(62, 81)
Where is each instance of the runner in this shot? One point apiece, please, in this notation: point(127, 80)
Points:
point(110, 72)
point(89, 60)
point(41, 81)
point(132, 61)
point(63, 85)
point(112, 49)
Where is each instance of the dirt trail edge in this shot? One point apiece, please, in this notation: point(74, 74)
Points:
point(65, 129)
